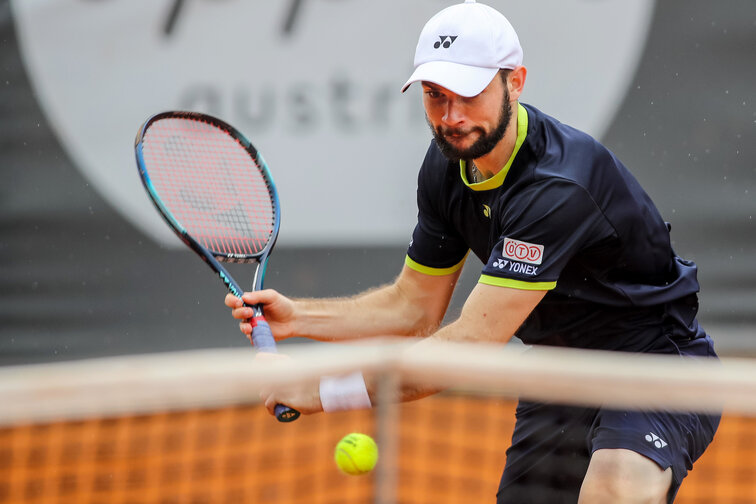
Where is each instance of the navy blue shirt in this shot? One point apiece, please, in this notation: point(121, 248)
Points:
point(564, 215)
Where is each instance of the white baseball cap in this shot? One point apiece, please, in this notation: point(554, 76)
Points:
point(463, 47)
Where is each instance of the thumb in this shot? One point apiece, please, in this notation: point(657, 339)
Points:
point(265, 296)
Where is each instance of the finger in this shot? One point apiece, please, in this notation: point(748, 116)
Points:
point(242, 313)
point(264, 393)
point(246, 328)
point(270, 404)
point(264, 296)
point(232, 301)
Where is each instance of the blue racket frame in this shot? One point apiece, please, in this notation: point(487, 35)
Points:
point(262, 336)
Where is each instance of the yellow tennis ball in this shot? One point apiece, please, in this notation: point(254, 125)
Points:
point(356, 454)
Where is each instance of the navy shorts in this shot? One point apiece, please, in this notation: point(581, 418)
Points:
point(552, 446)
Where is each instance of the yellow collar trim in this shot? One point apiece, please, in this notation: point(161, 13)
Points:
point(498, 179)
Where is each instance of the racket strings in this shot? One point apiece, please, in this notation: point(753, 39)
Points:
point(210, 184)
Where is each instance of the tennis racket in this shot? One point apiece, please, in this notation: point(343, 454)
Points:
point(215, 191)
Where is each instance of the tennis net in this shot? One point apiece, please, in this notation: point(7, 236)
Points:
point(188, 427)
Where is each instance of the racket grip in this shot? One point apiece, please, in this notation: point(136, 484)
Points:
point(262, 338)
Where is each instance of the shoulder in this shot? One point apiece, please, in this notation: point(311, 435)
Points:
point(561, 202)
point(563, 151)
point(545, 129)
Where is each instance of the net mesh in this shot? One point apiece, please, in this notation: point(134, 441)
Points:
point(162, 445)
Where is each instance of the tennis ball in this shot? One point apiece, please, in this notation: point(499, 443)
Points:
point(356, 454)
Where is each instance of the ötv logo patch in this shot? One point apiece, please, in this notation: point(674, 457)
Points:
point(522, 251)
point(445, 41)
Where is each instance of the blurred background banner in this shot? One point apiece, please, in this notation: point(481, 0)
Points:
point(314, 84)
point(87, 268)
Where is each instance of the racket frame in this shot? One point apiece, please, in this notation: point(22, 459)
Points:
point(213, 258)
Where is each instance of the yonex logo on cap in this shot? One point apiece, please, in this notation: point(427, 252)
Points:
point(488, 43)
point(445, 41)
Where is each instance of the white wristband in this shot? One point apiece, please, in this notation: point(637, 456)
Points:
point(341, 393)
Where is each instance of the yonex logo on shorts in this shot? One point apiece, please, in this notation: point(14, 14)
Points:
point(653, 438)
point(522, 251)
point(445, 41)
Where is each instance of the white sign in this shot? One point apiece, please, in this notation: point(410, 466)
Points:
point(314, 84)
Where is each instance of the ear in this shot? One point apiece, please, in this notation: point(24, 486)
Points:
point(516, 82)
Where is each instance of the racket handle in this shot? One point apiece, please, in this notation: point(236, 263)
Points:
point(285, 414)
point(262, 338)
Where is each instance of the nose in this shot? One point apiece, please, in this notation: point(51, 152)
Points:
point(453, 114)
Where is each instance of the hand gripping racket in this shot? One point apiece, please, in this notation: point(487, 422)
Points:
point(215, 191)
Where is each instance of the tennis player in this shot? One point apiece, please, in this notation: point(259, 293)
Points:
point(575, 255)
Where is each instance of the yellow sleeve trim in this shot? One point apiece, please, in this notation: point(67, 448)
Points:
point(515, 284)
point(434, 271)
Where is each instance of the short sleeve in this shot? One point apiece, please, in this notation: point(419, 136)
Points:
point(436, 247)
point(542, 229)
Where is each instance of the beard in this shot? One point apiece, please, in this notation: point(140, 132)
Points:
point(486, 140)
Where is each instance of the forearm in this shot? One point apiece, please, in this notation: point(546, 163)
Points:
point(491, 316)
point(358, 391)
point(409, 390)
point(413, 305)
point(379, 312)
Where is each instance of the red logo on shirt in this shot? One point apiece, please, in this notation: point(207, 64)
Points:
point(523, 251)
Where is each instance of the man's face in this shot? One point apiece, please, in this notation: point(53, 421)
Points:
point(467, 128)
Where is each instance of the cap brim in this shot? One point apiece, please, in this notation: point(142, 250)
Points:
point(461, 79)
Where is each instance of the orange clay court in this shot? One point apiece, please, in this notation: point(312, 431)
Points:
point(451, 450)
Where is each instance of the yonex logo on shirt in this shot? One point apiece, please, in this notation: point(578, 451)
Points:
point(522, 251)
point(656, 440)
point(515, 267)
point(445, 41)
